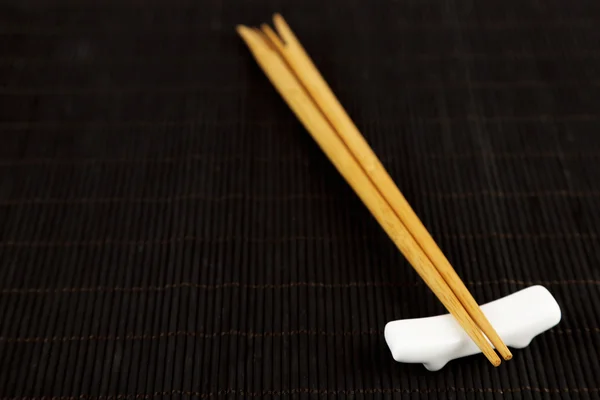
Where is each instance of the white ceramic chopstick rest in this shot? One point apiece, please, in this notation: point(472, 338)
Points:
point(434, 341)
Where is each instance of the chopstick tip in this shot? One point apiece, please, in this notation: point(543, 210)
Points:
point(242, 30)
point(277, 17)
point(490, 354)
point(504, 351)
point(265, 28)
point(252, 36)
point(273, 38)
point(280, 25)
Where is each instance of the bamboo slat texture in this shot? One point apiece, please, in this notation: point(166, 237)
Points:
point(168, 229)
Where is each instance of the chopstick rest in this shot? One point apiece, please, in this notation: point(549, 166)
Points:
point(434, 341)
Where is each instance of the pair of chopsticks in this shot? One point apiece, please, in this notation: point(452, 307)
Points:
point(296, 78)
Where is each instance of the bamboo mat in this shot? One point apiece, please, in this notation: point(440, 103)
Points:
point(169, 230)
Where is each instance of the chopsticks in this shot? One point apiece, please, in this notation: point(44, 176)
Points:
point(298, 81)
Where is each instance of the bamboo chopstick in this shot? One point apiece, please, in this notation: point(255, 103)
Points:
point(294, 54)
point(298, 99)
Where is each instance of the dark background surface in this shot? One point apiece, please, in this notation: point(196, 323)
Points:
point(168, 228)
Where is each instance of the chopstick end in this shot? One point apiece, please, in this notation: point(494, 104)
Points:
point(242, 30)
point(272, 37)
point(278, 17)
point(253, 38)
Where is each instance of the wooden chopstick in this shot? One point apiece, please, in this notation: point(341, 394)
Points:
point(298, 99)
point(305, 70)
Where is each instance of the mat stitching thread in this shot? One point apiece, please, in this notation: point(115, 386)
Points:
point(191, 123)
point(216, 239)
point(191, 87)
point(292, 159)
point(241, 285)
point(307, 391)
point(233, 332)
point(192, 57)
point(281, 198)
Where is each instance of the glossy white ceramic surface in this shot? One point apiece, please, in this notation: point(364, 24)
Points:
point(434, 341)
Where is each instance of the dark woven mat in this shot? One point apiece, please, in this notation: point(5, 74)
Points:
point(169, 230)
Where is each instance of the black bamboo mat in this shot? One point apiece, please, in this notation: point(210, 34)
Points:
point(169, 230)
